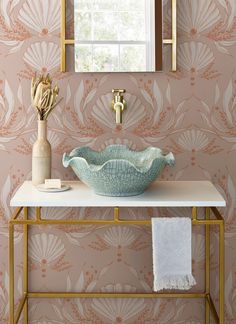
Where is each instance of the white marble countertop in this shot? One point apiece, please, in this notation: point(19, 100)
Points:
point(159, 194)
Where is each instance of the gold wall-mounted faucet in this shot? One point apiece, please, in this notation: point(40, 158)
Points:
point(118, 104)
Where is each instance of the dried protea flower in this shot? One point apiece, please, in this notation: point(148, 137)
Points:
point(44, 96)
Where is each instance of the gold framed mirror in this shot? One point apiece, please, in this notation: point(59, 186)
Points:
point(154, 53)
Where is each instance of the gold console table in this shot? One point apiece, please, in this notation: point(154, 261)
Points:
point(174, 194)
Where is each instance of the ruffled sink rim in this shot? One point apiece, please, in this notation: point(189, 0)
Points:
point(94, 159)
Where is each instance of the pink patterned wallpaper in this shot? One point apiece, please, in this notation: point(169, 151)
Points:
point(191, 112)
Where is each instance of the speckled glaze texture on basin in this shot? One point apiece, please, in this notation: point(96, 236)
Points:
point(117, 171)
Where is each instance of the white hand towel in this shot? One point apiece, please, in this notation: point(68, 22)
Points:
point(172, 253)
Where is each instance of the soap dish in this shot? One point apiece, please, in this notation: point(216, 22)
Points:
point(42, 188)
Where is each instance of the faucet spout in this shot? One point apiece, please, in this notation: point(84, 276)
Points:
point(118, 104)
point(119, 107)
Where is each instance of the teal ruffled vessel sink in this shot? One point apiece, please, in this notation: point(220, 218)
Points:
point(117, 171)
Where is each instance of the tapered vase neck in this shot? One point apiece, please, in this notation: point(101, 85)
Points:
point(42, 129)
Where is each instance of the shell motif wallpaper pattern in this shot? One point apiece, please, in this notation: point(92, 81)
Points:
point(191, 112)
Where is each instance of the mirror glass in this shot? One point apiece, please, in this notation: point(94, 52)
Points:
point(118, 36)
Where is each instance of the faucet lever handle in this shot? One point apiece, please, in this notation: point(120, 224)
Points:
point(118, 91)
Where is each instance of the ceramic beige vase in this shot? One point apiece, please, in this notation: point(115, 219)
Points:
point(41, 155)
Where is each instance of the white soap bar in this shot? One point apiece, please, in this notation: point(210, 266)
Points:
point(53, 183)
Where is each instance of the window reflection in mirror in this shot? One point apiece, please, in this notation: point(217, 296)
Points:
point(118, 36)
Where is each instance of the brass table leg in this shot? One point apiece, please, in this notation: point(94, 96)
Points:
point(207, 265)
point(25, 266)
point(221, 272)
point(11, 273)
